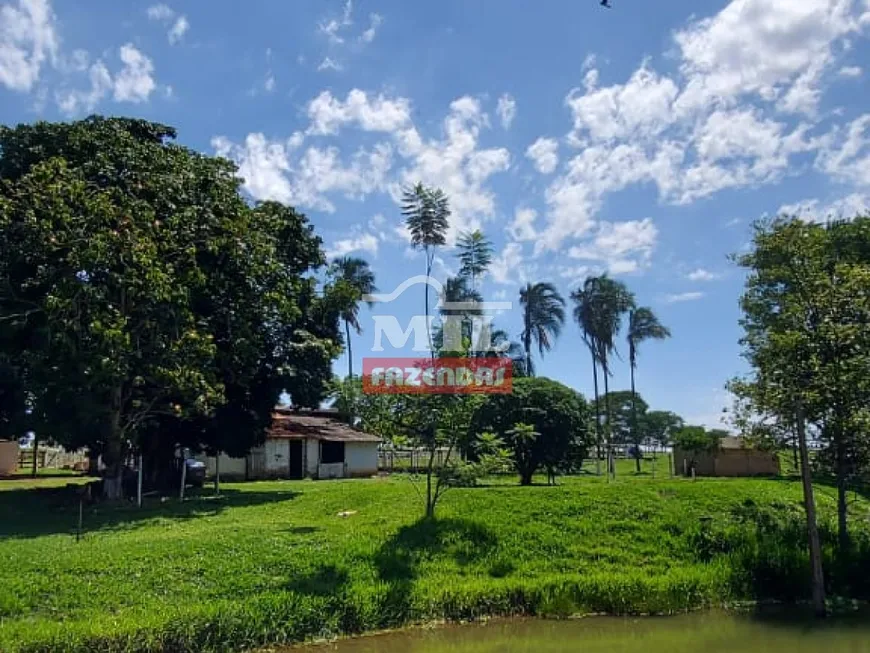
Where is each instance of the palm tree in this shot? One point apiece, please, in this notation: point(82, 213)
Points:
point(426, 212)
point(456, 291)
point(543, 317)
point(475, 255)
point(599, 310)
point(584, 313)
point(354, 278)
point(642, 325)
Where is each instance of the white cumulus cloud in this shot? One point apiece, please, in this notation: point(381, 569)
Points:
point(28, 38)
point(135, 82)
point(844, 208)
point(278, 170)
point(329, 114)
point(739, 112)
point(362, 243)
point(544, 153)
point(622, 246)
point(375, 21)
point(523, 225)
point(700, 274)
point(177, 23)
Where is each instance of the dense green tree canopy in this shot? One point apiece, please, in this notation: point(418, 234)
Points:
point(556, 414)
point(138, 287)
point(806, 307)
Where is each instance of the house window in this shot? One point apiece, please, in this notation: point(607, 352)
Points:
point(331, 452)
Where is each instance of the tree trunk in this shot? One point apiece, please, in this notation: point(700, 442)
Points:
point(526, 477)
point(818, 578)
point(114, 455)
point(611, 463)
point(796, 455)
point(426, 300)
point(34, 466)
point(430, 499)
point(634, 438)
point(527, 340)
point(139, 472)
point(349, 349)
point(842, 502)
point(217, 473)
point(597, 413)
point(183, 475)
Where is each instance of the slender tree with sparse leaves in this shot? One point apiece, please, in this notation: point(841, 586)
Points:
point(427, 214)
point(475, 255)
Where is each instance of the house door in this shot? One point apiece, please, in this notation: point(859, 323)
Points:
point(296, 458)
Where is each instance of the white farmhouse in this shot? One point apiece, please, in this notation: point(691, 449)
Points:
point(304, 443)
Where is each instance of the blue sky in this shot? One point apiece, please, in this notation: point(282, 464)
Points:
point(640, 140)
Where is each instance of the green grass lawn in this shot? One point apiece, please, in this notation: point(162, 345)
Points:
point(274, 562)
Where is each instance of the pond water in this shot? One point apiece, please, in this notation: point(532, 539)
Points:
point(695, 633)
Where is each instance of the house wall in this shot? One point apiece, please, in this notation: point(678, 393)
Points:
point(705, 465)
point(277, 458)
point(331, 470)
point(728, 462)
point(739, 462)
point(231, 468)
point(312, 457)
point(8, 457)
point(361, 458)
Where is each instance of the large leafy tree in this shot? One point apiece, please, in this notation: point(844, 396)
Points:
point(659, 426)
point(626, 407)
point(806, 306)
point(427, 214)
point(642, 325)
point(141, 289)
point(557, 417)
point(352, 279)
point(696, 440)
point(543, 317)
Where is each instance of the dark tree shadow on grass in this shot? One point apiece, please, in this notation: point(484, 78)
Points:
point(326, 581)
point(767, 550)
point(48, 511)
point(398, 560)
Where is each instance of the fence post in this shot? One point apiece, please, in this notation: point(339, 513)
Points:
point(139, 483)
point(183, 475)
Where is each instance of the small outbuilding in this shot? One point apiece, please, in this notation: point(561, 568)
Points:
point(304, 443)
point(8, 457)
point(735, 456)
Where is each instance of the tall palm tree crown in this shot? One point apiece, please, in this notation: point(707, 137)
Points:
point(643, 325)
point(543, 317)
point(355, 279)
point(599, 307)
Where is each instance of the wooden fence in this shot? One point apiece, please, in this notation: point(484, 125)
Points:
point(409, 460)
point(52, 458)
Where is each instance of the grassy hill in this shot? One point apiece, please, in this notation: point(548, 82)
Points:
point(275, 562)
